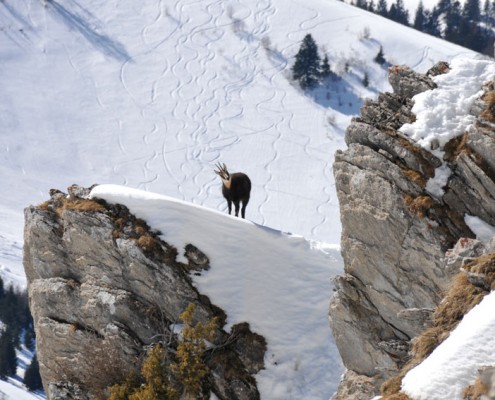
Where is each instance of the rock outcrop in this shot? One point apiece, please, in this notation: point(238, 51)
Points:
point(395, 233)
point(103, 288)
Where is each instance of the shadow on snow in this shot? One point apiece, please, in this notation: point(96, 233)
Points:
point(100, 41)
point(338, 94)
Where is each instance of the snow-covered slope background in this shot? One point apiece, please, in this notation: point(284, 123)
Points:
point(150, 95)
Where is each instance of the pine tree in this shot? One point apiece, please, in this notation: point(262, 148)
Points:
point(366, 80)
point(30, 338)
point(325, 70)
point(453, 21)
point(472, 11)
point(419, 18)
point(380, 58)
point(382, 8)
point(432, 23)
point(444, 6)
point(154, 372)
point(32, 377)
point(487, 11)
point(306, 67)
point(361, 4)
point(8, 358)
point(190, 368)
point(398, 13)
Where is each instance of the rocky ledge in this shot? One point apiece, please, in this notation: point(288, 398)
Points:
point(395, 233)
point(103, 288)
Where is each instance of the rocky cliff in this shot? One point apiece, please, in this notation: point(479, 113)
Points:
point(103, 288)
point(395, 232)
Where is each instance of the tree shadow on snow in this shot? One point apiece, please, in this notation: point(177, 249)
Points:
point(338, 94)
point(16, 15)
point(100, 41)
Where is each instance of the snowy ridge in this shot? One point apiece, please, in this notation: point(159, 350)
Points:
point(152, 95)
point(277, 282)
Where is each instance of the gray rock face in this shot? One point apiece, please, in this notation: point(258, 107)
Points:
point(394, 234)
point(102, 288)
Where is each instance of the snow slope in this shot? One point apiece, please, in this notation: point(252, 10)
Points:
point(454, 364)
point(150, 95)
point(279, 283)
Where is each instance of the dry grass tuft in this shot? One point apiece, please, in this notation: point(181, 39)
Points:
point(83, 205)
point(489, 112)
point(391, 386)
point(455, 147)
point(415, 176)
point(484, 265)
point(460, 299)
point(397, 396)
point(147, 243)
point(475, 391)
point(419, 205)
point(80, 205)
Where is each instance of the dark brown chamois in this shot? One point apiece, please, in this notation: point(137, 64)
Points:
point(236, 188)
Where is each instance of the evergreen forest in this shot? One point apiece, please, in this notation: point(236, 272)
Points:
point(470, 25)
point(16, 331)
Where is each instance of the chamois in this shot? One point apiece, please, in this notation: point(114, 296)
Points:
point(236, 188)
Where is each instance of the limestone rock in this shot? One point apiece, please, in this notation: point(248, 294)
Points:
point(356, 387)
point(103, 287)
point(394, 234)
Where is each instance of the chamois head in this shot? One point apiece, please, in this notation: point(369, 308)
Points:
point(236, 188)
point(222, 172)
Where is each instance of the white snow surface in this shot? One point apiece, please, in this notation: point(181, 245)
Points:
point(483, 230)
point(152, 94)
point(454, 364)
point(279, 283)
point(443, 114)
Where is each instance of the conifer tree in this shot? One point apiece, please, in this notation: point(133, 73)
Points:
point(8, 358)
point(361, 4)
point(487, 14)
point(366, 80)
point(382, 8)
point(380, 58)
point(453, 20)
point(307, 65)
point(419, 18)
point(472, 10)
point(398, 13)
point(190, 367)
point(325, 70)
point(32, 377)
point(432, 23)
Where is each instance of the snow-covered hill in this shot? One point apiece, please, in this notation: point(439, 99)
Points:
point(278, 283)
point(150, 95)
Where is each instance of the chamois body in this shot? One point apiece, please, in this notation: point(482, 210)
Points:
point(236, 188)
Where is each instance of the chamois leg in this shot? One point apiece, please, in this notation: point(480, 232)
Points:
point(229, 203)
point(243, 210)
point(236, 204)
